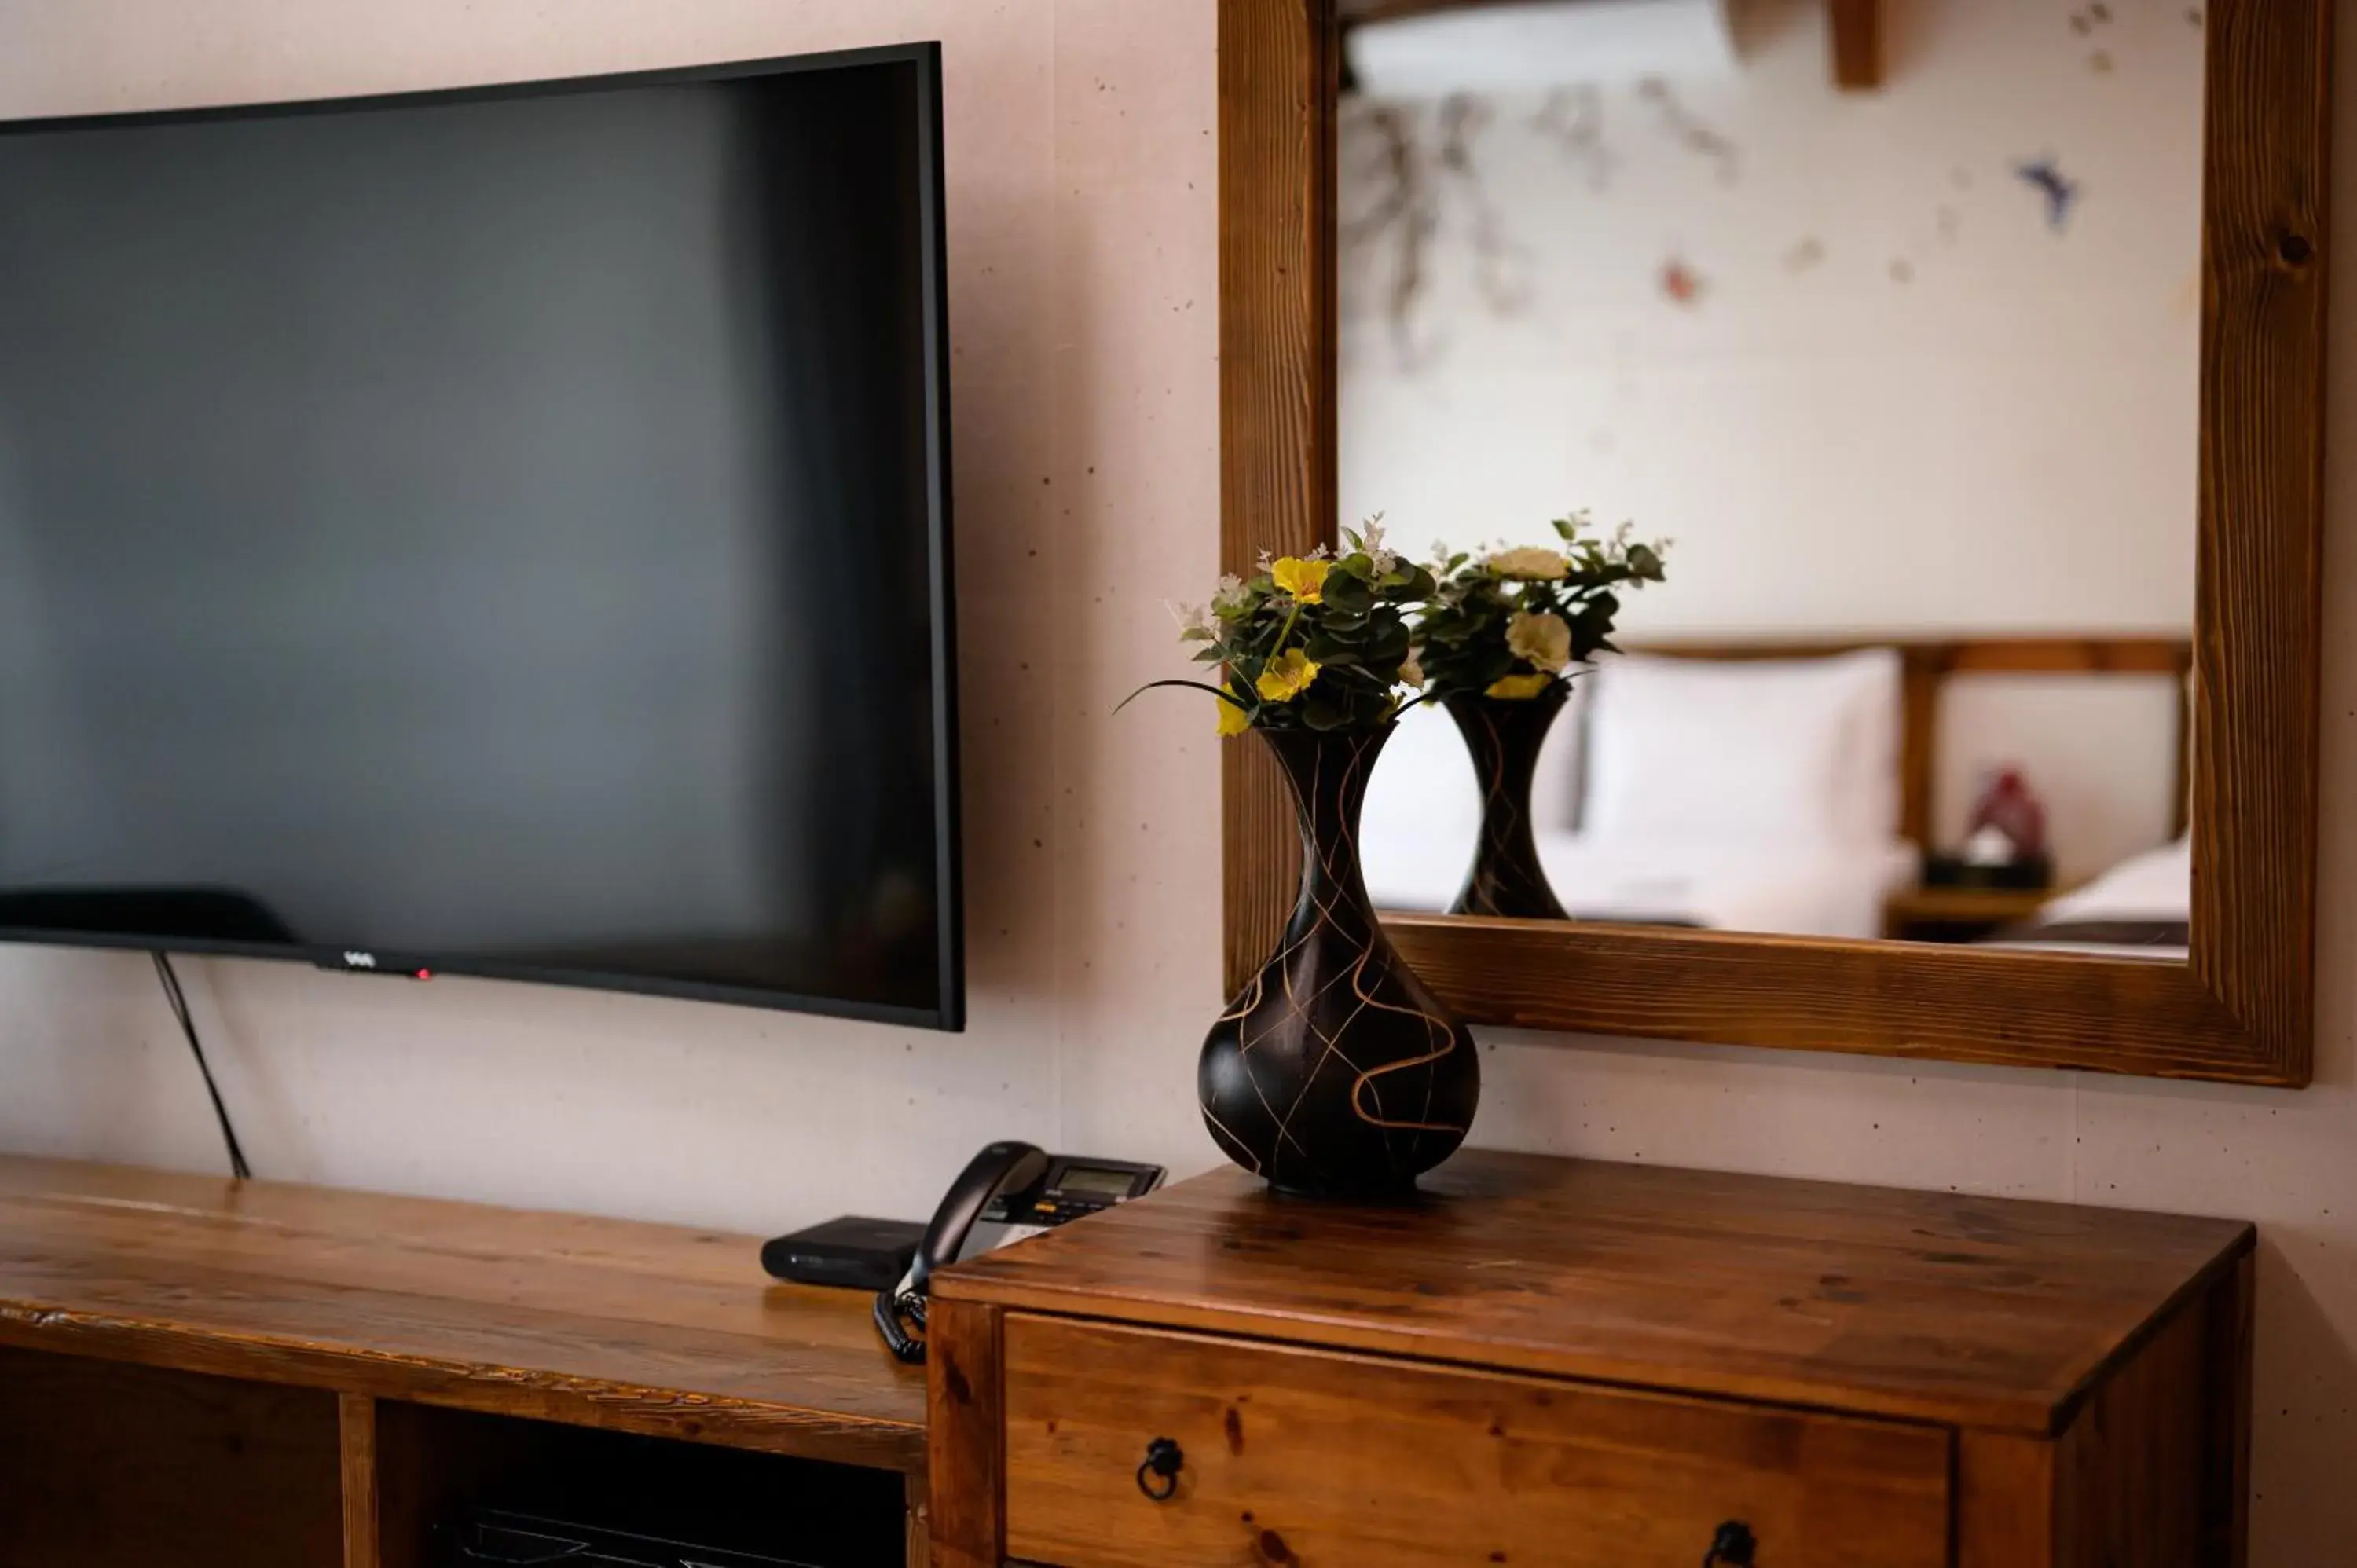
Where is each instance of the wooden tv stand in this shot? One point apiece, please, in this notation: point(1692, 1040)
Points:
point(197, 1371)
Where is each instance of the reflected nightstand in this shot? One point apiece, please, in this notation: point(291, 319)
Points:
point(1921, 914)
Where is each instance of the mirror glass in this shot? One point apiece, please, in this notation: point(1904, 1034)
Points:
point(1905, 375)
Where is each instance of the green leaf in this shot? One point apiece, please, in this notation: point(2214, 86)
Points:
point(1156, 685)
point(1349, 596)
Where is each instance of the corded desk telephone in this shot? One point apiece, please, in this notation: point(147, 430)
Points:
point(1006, 1192)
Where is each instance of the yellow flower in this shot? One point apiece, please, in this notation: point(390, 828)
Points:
point(1530, 563)
point(1411, 672)
point(1543, 640)
point(1233, 720)
point(1519, 688)
point(1287, 675)
point(1305, 580)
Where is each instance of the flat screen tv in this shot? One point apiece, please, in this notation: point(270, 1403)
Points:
point(500, 532)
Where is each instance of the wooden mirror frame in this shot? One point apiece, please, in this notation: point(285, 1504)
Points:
point(2242, 1009)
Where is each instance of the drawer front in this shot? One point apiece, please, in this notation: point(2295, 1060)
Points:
point(1312, 1460)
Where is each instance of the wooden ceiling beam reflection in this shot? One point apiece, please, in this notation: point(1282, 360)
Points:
point(1856, 32)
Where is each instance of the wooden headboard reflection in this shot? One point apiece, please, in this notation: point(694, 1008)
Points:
point(1928, 664)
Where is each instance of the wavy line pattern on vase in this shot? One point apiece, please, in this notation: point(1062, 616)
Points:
point(1334, 1071)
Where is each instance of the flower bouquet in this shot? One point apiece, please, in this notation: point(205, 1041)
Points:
point(1334, 1072)
point(1312, 642)
point(1503, 633)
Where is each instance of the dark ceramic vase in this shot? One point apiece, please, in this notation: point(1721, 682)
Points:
point(1336, 1074)
point(1504, 737)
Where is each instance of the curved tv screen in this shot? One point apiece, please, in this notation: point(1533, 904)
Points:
point(502, 533)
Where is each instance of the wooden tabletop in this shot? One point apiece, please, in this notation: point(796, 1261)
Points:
point(596, 1322)
point(1980, 1312)
point(1970, 903)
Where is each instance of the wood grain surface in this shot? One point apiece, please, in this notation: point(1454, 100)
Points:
point(1826, 993)
point(2226, 1472)
point(597, 1321)
point(2129, 1469)
point(1295, 1456)
point(1981, 1312)
point(1279, 69)
point(2145, 1473)
point(968, 1469)
point(2265, 196)
point(2242, 1009)
point(917, 1537)
point(112, 1465)
point(2007, 1509)
point(357, 1428)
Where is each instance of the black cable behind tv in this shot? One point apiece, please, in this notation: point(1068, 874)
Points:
point(179, 1004)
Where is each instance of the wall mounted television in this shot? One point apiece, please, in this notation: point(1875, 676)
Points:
point(502, 531)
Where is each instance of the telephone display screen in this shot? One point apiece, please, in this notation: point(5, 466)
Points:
point(1081, 1180)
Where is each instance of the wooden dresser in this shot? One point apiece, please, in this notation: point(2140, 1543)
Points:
point(1596, 1365)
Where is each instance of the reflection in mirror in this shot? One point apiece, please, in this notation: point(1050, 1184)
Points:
point(1908, 377)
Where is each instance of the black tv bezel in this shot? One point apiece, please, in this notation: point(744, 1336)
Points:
point(949, 878)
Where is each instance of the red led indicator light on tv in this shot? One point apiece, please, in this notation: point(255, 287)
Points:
point(425, 975)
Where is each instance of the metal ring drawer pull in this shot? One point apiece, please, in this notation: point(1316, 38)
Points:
point(1734, 1546)
point(1157, 1477)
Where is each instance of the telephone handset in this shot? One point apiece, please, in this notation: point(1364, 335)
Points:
point(1006, 1192)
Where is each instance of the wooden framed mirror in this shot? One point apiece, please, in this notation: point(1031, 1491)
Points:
point(2235, 768)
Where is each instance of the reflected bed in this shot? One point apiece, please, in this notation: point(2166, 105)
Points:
point(1774, 785)
point(1823, 891)
point(2139, 909)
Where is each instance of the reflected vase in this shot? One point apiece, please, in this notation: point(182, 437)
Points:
point(1504, 738)
point(1335, 1073)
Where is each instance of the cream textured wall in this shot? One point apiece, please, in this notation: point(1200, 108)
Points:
point(1902, 400)
point(1082, 226)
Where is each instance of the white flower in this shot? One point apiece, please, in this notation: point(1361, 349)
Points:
point(1543, 640)
point(1381, 556)
point(1530, 563)
point(1411, 672)
point(1194, 620)
point(1231, 599)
